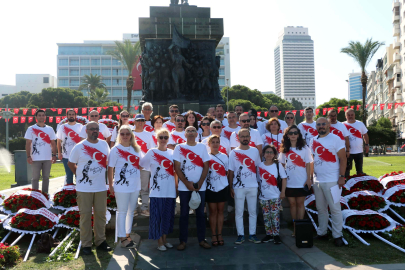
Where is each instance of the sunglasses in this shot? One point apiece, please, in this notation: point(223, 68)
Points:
point(293, 133)
point(289, 118)
point(180, 121)
point(125, 134)
point(163, 137)
point(269, 152)
point(140, 120)
point(244, 121)
point(273, 110)
point(205, 124)
point(125, 116)
point(216, 127)
point(172, 111)
point(94, 129)
point(320, 124)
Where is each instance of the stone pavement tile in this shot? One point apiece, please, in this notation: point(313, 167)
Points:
point(318, 260)
point(294, 266)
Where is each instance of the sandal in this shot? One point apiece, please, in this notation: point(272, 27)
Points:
point(129, 245)
point(214, 243)
point(221, 242)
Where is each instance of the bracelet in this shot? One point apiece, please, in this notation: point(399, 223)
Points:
point(28, 157)
point(54, 155)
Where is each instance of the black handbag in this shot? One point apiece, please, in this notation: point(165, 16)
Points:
point(279, 180)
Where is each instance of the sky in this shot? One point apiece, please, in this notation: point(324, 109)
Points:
point(30, 31)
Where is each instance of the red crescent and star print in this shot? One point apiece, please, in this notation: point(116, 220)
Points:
point(310, 129)
point(96, 155)
point(250, 164)
point(170, 126)
point(218, 168)
point(44, 136)
point(295, 159)
point(134, 160)
point(178, 139)
point(101, 136)
point(164, 162)
point(337, 132)
point(142, 144)
point(76, 138)
point(353, 131)
point(323, 154)
point(148, 128)
point(268, 177)
point(191, 156)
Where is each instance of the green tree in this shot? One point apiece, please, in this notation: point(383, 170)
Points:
point(381, 136)
point(335, 103)
point(128, 54)
point(91, 82)
point(99, 95)
point(384, 123)
point(59, 98)
point(297, 106)
point(17, 100)
point(362, 54)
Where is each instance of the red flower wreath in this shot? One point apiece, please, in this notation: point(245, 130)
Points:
point(27, 222)
point(367, 222)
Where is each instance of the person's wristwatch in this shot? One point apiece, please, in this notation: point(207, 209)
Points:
point(53, 155)
point(28, 157)
point(366, 144)
point(341, 175)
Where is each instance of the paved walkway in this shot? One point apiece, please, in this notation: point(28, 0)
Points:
point(54, 185)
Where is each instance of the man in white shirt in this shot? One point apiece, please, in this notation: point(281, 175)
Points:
point(147, 110)
point(308, 128)
point(273, 112)
point(104, 133)
point(232, 127)
point(238, 110)
point(88, 161)
point(171, 124)
point(219, 112)
point(211, 112)
point(255, 138)
point(40, 147)
point(358, 133)
point(329, 167)
point(68, 137)
point(339, 130)
point(177, 136)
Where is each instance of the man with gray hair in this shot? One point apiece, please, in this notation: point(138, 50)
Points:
point(88, 161)
point(103, 134)
point(216, 129)
point(329, 169)
point(147, 111)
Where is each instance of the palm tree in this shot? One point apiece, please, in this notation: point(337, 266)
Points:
point(99, 95)
point(127, 53)
point(362, 54)
point(92, 81)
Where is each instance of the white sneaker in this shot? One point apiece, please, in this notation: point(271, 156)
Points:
point(162, 248)
point(168, 245)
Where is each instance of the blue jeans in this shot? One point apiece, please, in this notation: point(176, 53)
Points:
point(185, 197)
point(69, 173)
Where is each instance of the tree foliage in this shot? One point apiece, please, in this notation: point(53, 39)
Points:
point(91, 81)
point(17, 100)
point(384, 123)
point(99, 95)
point(335, 103)
point(59, 98)
point(381, 136)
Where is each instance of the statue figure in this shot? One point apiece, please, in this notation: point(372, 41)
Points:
point(174, 2)
point(178, 73)
point(206, 78)
point(154, 79)
point(166, 79)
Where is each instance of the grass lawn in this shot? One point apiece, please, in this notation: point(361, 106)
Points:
point(377, 166)
point(8, 179)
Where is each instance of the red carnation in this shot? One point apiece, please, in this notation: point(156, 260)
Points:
point(69, 220)
point(402, 200)
point(362, 223)
point(367, 206)
point(76, 222)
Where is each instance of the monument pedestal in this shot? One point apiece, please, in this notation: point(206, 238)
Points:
point(23, 171)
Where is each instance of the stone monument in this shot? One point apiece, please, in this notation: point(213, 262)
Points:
point(179, 65)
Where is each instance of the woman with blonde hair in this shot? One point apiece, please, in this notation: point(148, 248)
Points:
point(163, 186)
point(124, 120)
point(126, 183)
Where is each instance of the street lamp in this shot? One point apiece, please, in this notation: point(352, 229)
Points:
point(227, 95)
point(348, 93)
point(88, 95)
point(6, 115)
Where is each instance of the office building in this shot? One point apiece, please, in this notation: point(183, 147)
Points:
point(294, 66)
point(355, 87)
point(34, 83)
point(75, 60)
point(6, 90)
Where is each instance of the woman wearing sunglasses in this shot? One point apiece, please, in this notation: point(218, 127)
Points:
point(126, 183)
point(273, 136)
point(289, 119)
point(217, 188)
point(124, 120)
point(163, 186)
point(204, 131)
point(157, 124)
point(296, 157)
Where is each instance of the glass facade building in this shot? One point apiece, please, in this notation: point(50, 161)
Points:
point(355, 88)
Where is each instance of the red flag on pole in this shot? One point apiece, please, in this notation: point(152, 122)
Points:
point(84, 110)
point(259, 113)
point(294, 112)
point(76, 110)
point(115, 108)
point(16, 110)
point(279, 112)
point(25, 111)
point(345, 108)
point(33, 111)
point(91, 108)
point(382, 106)
point(50, 119)
point(104, 116)
point(121, 107)
point(389, 106)
point(57, 119)
point(316, 111)
point(285, 112)
point(23, 119)
point(110, 116)
point(118, 116)
point(98, 109)
point(59, 111)
point(374, 107)
point(105, 108)
point(301, 112)
point(30, 119)
point(136, 108)
point(358, 107)
point(352, 107)
point(265, 113)
point(324, 111)
point(339, 108)
point(15, 120)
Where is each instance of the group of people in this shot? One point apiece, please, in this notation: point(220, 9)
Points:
point(225, 160)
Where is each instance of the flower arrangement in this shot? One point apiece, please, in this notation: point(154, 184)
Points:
point(394, 183)
point(26, 198)
point(398, 197)
point(79, 119)
point(367, 222)
point(111, 201)
point(392, 179)
point(31, 222)
point(364, 202)
point(66, 197)
point(72, 219)
point(37, 190)
point(395, 195)
point(8, 255)
point(359, 182)
point(390, 174)
point(111, 124)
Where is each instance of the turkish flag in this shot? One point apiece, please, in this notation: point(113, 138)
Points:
point(136, 75)
point(23, 119)
point(50, 119)
point(259, 113)
point(358, 107)
point(25, 111)
point(53, 109)
point(110, 116)
point(84, 110)
point(33, 111)
point(44, 109)
point(57, 119)
point(382, 106)
point(115, 108)
point(294, 112)
point(316, 111)
point(345, 108)
point(136, 108)
point(98, 109)
point(59, 111)
point(15, 120)
point(339, 108)
point(265, 114)
point(67, 109)
point(118, 116)
point(121, 107)
point(105, 108)
point(352, 107)
point(324, 111)
point(30, 119)
point(374, 107)
point(389, 106)
point(301, 112)
point(287, 112)
point(91, 108)
point(279, 112)
point(16, 110)
point(329, 109)
point(104, 116)
point(76, 110)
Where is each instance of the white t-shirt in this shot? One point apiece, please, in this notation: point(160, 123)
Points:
point(255, 138)
point(326, 160)
point(41, 138)
point(103, 134)
point(356, 130)
point(339, 130)
point(115, 133)
point(161, 166)
point(169, 126)
point(191, 160)
point(267, 180)
point(224, 122)
point(125, 160)
point(153, 133)
point(144, 140)
point(269, 138)
point(243, 164)
point(69, 136)
point(308, 131)
point(91, 160)
point(148, 126)
point(177, 138)
point(263, 130)
point(295, 164)
point(227, 131)
point(224, 146)
point(217, 179)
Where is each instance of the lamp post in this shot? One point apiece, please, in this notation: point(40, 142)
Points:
point(6, 115)
point(348, 93)
point(227, 95)
point(88, 95)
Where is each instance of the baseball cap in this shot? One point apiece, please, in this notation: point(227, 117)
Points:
point(139, 116)
point(195, 200)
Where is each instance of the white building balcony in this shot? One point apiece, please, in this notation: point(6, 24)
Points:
point(397, 83)
point(395, 19)
point(397, 45)
point(395, 3)
point(396, 31)
point(396, 69)
point(398, 97)
point(397, 58)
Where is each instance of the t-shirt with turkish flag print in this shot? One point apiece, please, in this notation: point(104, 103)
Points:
point(270, 138)
point(227, 131)
point(148, 126)
point(308, 131)
point(91, 160)
point(224, 146)
point(41, 138)
point(255, 138)
point(161, 167)
point(217, 174)
point(103, 134)
point(170, 126)
point(191, 160)
point(243, 164)
point(339, 130)
point(356, 131)
point(295, 165)
point(262, 127)
point(125, 160)
point(326, 160)
point(69, 136)
point(144, 140)
point(177, 138)
point(267, 180)
point(114, 134)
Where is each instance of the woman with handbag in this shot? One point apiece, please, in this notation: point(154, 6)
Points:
point(271, 178)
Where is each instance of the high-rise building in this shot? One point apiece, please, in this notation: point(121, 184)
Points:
point(294, 66)
point(75, 60)
point(355, 87)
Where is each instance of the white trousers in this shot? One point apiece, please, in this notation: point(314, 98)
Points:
point(126, 205)
point(250, 194)
point(323, 197)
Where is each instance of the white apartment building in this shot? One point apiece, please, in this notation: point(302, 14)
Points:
point(294, 66)
point(34, 83)
point(6, 90)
